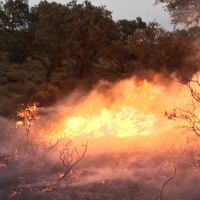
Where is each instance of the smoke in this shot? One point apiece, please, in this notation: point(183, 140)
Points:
point(144, 172)
point(144, 158)
point(129, 138)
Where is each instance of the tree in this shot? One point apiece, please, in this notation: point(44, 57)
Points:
point(191, 33)
point(159, 49)
point(187, 12)
point(39, 147)
point(127, 28)
point(81, 32)
point(50, 44)
point(183, 11)
point(188, 146)
point(194, 32)
point(92, 32)
point(191, 112)
point(14, 16)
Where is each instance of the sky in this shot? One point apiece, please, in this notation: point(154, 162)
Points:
point(130, 9)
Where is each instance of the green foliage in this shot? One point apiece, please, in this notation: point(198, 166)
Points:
point(13, 15)
point(192, 33)
point(18, 54)
point(81, 32)
point(127, 28)
point(183, 11)
point(3, 81)
point(159, 49)
point(14, 27)
point(14, 78)
point(6, 107)
point(16, 88)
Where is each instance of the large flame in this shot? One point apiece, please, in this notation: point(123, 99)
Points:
point(126, 109)
point(127, 122)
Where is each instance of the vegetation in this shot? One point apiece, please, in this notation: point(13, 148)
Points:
point(183, 11)
point(159, 49)
point(48, 50)
point(81, 45)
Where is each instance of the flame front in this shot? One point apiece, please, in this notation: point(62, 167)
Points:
point(127, 109)
point(128, 122)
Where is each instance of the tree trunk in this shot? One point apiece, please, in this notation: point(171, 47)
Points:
point(49, 74)
point(49, 68)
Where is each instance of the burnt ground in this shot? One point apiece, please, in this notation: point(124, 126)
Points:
point(125, 176)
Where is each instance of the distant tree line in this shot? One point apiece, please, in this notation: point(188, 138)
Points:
point(53, 33)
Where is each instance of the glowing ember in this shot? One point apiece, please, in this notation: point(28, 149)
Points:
point(19, 123)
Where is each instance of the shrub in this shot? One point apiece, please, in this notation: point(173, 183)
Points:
point(17, 88)
point(18, 54)
point(31, 90)
point(50, 94)
point(37, 80)
point(3, 81)
point(4, 92)
point(14, 77)
point(7, 107)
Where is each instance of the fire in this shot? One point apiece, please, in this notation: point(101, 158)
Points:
point(127, 122)
point(127, 109)
point(127, 112)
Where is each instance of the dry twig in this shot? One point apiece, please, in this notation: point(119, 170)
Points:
point(173, 175)
point(68, 159)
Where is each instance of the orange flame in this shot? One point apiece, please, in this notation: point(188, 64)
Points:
point(127, 122)
point(127, 109)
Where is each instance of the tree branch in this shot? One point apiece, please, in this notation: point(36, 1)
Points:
point(173, 175)
point(68, 161)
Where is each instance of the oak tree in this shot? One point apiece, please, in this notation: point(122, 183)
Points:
point(50, 31)
point(14, 17)
point(159, 49)
point(81, 32)
point(128, 27)
point(183, 11)
point(92, 32)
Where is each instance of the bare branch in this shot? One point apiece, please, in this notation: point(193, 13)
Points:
point(173, 175)
point(68, 160)
point(181, 149)
point(193, 151)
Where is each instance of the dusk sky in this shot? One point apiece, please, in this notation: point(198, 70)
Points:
point(130, 9)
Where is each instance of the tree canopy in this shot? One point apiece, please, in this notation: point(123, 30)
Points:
point(52, 33)
point(128, 27)
point(183, 11)
point(14, 16)
point(57, 32)
point(159, 49)
point(92, 30)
